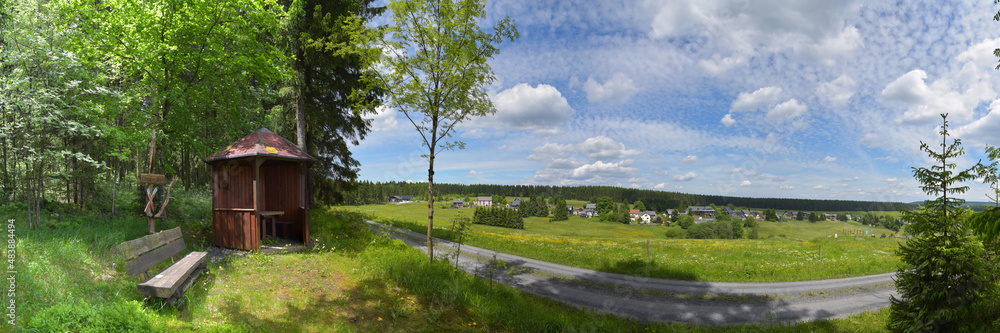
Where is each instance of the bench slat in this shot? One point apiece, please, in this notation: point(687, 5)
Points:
point(150, 259)
point(136, 247)
point(165, 284)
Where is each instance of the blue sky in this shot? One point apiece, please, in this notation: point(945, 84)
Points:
point(754, 98)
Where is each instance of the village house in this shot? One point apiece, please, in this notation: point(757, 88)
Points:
point(515, 204)
point(701, 211)
point(400, 198)
point(484, 201)
point(457, 203)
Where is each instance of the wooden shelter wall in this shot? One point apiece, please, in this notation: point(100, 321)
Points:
point(239, 191)
point(235, 229)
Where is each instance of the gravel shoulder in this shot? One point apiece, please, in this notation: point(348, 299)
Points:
point(665, 300)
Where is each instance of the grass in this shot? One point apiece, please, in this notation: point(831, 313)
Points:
point(357, 282)
point(789, 251)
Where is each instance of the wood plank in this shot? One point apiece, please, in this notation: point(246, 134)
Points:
point(166, 283)
point(151, 178)
point(150, 259)
point(136, 247)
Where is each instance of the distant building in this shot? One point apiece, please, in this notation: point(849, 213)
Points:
point(400, 198)
point(458, 203)
point(484, 201)
point(516, 204)
point(701, 211)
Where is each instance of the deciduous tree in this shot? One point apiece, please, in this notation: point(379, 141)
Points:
point(433, 68)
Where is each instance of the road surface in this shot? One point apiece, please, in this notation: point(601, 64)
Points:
point(664, 300)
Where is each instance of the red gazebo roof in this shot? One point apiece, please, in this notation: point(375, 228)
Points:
point(262, 143)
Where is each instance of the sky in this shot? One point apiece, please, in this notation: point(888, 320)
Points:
point(749, 98)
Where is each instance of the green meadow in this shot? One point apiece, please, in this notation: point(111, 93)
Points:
point(790, 251)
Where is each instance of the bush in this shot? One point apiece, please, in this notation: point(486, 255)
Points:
point(685, 221)
point(498, 217)
point(675, 233)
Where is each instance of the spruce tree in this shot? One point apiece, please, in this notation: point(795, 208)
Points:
point(944, 270)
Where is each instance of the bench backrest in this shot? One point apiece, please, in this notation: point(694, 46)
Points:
point(143, 253)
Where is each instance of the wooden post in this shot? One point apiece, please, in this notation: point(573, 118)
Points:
point(821, 253)
point(648, 254)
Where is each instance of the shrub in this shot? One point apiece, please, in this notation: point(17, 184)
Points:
point(675, 233)
point(685, 221)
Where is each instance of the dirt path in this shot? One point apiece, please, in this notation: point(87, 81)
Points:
point(652, 299)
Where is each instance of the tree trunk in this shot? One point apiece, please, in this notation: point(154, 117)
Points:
point(430, 208)
point(300, 114)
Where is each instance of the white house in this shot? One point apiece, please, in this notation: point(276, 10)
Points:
point(484, 201)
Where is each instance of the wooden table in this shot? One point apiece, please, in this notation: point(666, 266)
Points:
point(270, 215)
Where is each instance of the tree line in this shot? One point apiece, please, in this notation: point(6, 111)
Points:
point(368, 192)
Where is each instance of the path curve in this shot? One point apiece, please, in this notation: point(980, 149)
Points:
point(665, 300)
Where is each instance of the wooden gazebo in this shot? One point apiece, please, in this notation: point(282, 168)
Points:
point(259, 190)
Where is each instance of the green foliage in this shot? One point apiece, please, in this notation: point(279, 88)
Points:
point(639, 205)
point(944, 271)
point(801, 216)
point(605, 205)
point(498, 217)
point(715, 230)
point(675, 233)
point(560, 212)
point(685, 221)
point(737, 227)
point(119, 316)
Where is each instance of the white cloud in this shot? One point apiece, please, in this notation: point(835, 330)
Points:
point(523, 107)
point(889, 159)
point(788, 110)
point(728, 120)
point(502, 147)
point(689, 159)
point(763, 97)
point(596, 160)
point(617, 89)
point(736, 170)
point(745, 183)
point(686, 177)
point(475, 173)
point(819, 187)
point(830, 48)
point(660, 185)
point(604, 170)
point(853, 179)
point(892, 180)
point(829, 159)
point(384, 119)
point(786, 187)
point(985, 130)
point(837, 92)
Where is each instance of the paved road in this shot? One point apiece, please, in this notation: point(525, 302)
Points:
point(652, 299)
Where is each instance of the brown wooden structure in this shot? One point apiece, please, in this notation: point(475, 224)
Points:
point(262, 173)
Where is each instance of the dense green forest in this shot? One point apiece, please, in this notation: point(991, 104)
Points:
point(85, 84)
point(369, 192)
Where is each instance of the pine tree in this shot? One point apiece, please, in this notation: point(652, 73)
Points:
point(944, 270)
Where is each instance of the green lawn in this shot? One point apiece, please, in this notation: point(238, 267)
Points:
point(788, 251)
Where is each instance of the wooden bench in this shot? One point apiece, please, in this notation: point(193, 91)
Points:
point(143, 253)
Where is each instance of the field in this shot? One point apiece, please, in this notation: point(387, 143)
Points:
point(357, 282)
point(786, 251)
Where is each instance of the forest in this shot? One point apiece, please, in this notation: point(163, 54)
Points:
point(377, 192)
point(84, 85)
